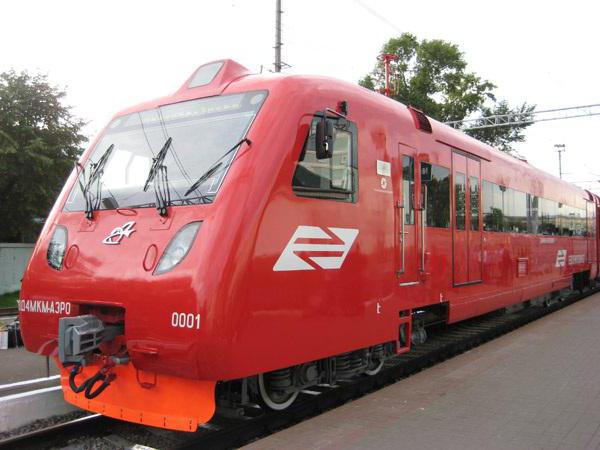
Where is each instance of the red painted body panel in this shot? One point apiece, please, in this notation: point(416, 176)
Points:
point(255, 319)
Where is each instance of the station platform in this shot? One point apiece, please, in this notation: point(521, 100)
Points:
point(537, 387)
point(17, 364)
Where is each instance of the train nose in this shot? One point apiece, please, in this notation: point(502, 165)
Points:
point(128, 245)
point(114, 260)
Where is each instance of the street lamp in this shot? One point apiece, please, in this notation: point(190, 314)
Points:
point(560, 148)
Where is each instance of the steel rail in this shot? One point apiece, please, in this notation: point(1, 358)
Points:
point(23, 383)
point(54, 434)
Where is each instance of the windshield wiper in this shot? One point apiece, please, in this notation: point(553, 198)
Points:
point(97, 170)
point(158, 174)
point(215, 167)
point(82, 184)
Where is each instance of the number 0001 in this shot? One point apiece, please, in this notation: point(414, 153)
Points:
point(183, 320)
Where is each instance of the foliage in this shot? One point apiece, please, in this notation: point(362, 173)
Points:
point(9, 300)
point(432, 76)
point(39, 141)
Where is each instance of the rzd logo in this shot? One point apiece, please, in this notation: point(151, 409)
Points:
point(315, 247)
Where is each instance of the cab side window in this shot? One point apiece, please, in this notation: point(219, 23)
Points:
point(334, 178)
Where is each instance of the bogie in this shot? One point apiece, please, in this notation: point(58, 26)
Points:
point(277, 390)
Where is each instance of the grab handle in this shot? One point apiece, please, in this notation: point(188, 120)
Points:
point(400, 207)
point(423, 219)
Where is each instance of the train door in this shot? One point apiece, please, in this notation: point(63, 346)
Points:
point(591, 236)
point(460, 241)
point(405, 193)
point(474, 221)
point(466, 226)
point(597, 229)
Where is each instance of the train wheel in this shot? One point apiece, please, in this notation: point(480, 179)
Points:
point(272, 398)
point(376, 357)
point(374, 367)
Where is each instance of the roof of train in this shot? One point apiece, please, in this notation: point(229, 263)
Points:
point(233, 77)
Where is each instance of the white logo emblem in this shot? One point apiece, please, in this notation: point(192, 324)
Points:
point(329, 253)
point(116, 235)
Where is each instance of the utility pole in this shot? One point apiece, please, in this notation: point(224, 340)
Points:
point(278, 43)
point(560, 148)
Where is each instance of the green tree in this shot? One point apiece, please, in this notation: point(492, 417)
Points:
point(432, 75)
point(503, 136)
point(39, 141)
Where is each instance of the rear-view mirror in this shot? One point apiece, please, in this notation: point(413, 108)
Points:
point(324, 138)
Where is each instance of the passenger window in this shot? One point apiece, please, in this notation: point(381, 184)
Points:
point(459, 199)
point(436, 189)
point(565, 220)
point(333, 178)
point(591, 220)
point(518, 217)
point(515, 211)
point(578, 222)
point(533, 217)
point(408, 189)
point(474, 202)
point(493, 206)
point(549, 211)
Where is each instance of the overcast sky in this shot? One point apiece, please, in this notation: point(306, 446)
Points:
point(112, 54)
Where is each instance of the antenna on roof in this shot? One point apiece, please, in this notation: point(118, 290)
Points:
point(387, 58)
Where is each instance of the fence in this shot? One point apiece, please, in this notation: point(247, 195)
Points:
point(13, 260)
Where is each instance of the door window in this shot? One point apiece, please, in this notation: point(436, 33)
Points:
point(474, 202)
point(436, 187)
point(408, 189)
point(460, 201)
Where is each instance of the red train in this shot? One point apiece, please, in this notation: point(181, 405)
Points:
point(252, 235)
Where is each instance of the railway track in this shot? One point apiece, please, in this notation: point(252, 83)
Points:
point(225, 432)
point(53, 435)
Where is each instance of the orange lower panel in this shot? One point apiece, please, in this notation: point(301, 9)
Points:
point(172, 402)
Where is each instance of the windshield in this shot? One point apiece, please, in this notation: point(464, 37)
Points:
point(201, 131)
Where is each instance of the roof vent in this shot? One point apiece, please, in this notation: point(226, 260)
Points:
point(420, 119)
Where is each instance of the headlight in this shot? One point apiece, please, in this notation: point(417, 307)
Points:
point(57, 247)
point(178, 248)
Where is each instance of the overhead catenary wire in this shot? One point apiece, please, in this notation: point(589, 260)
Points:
point(377, 15)
point(583, 181)
point(526, 118)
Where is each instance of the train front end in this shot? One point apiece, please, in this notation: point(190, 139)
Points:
point(123, 275)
